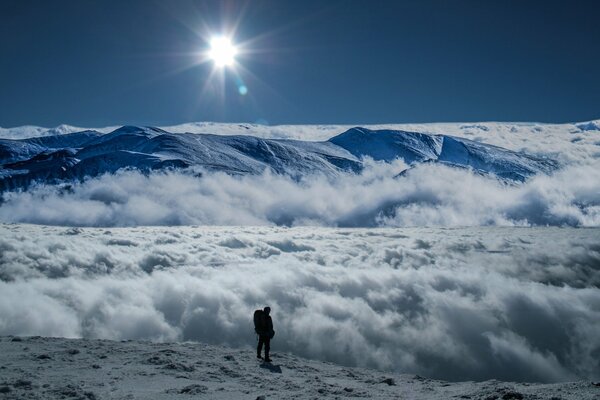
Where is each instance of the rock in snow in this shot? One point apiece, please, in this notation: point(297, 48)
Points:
point(59, 158)
point(102, 369)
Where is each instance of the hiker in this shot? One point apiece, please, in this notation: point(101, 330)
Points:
point(263, 326)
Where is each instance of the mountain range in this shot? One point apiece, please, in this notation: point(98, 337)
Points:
point(88, 153)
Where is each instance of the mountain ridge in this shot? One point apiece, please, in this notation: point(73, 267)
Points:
point(90, 153)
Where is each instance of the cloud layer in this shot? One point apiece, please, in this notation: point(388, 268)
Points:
point(451, 303)
point(429, 195)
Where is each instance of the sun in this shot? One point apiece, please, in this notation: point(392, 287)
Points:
point(222, 51)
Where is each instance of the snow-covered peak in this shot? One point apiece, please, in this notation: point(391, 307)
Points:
point(589, 125)
point(146, 131)
point(387, 145)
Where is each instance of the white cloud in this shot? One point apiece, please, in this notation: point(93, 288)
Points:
point(452, 303)
point(428, 195)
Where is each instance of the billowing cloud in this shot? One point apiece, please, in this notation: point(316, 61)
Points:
point(428, 195)
point(452, 303)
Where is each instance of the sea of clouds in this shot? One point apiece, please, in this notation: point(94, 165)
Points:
point(453, 303)
point(428, 195)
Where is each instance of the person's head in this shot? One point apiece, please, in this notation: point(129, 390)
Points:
point(267, 310)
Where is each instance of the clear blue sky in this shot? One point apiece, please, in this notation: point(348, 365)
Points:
point(95, 63)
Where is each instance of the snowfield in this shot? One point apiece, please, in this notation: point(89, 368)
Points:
point(53, 368)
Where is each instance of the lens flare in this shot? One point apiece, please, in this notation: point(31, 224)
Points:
point(222, 51)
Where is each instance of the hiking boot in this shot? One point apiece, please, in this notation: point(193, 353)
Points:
point(268, 359)
point(259, 356)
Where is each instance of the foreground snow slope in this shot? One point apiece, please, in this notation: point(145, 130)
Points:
point(44, 368)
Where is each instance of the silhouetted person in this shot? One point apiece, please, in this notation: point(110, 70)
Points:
point(263, 325)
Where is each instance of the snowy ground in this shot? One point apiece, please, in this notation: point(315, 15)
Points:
point(54, 368)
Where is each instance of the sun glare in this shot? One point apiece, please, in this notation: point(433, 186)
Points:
point(222, 51)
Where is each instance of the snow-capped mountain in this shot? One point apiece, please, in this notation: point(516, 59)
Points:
point(414, 147)
point(90, 153)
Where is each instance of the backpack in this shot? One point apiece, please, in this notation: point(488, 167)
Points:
point(260, 323)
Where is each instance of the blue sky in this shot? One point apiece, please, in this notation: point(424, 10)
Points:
point(94, 63)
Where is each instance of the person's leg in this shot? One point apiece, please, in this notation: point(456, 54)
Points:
point(260, 345)
point(267, 347)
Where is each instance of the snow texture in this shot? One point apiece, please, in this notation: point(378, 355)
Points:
point(513, 304)
point(53, 368)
